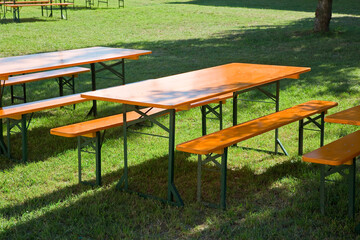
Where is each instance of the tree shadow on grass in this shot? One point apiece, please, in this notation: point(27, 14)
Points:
point(343, 7)
point(332, 59)
point(81, 211)
point(26, 20)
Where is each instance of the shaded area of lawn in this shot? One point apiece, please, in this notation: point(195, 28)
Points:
point(255, 200)
point(343, 7)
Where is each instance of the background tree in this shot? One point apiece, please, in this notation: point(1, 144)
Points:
point(323, 16)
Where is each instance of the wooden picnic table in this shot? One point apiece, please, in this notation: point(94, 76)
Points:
point(177, 92)
point(10, 66)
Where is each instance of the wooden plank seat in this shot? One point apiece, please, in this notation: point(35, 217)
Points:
point(88, 133)
point(16, 5)
point(16, 8)
point(64, 77)
point(215, 145)
point(17, 118)
point(23, 2)
point(337, 157)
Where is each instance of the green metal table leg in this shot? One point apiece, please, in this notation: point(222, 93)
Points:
point(322, 129)
point(301, 137)
point(173, 194)
point(203, 120)
point(124, 178)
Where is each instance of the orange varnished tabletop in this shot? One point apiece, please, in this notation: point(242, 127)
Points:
point(179, 91)
point(349, 116)
point(61, 59)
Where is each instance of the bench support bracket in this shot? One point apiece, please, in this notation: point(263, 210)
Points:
point(23, 126)
point(216, 111)
point(95, 144)
point(222, 166)
point(314, 121)
point(326, 171)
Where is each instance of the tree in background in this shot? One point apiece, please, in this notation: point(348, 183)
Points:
point(323, 16)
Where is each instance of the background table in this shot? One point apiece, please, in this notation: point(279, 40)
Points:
point(60, 59)
point(177, 92)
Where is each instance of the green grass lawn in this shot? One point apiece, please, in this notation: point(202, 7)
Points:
point(269, 196)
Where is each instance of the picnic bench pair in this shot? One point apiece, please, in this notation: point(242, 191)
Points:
point(213, 146)
point(64, 77)
point(16, 5)
point(339, 156)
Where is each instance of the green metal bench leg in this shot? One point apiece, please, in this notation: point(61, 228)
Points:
point(352, 180)
point(223, 179)
point(20, 124)
point(97, 152)
point(3, 147)
point(98, 159)
point(198, 189)
point(24, 138)
point(322, 189)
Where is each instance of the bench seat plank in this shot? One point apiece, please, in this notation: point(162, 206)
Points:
point(20, 109)
point(216, 142)
point(66, 72)
point(23, 2)
point(92, 126)
point(341, 151)
point(217, 99)
point(37, 4)
point(349, 116)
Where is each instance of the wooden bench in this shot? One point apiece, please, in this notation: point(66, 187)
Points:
point(64, 77)
point(16, 116)
point(88, 133)
point(16, 8)
point(337, 157)
point(23, 2)
point(216, 145)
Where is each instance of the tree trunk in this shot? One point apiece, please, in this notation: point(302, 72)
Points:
point(323, 16)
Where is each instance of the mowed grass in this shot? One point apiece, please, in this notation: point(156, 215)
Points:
point(269, 196)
